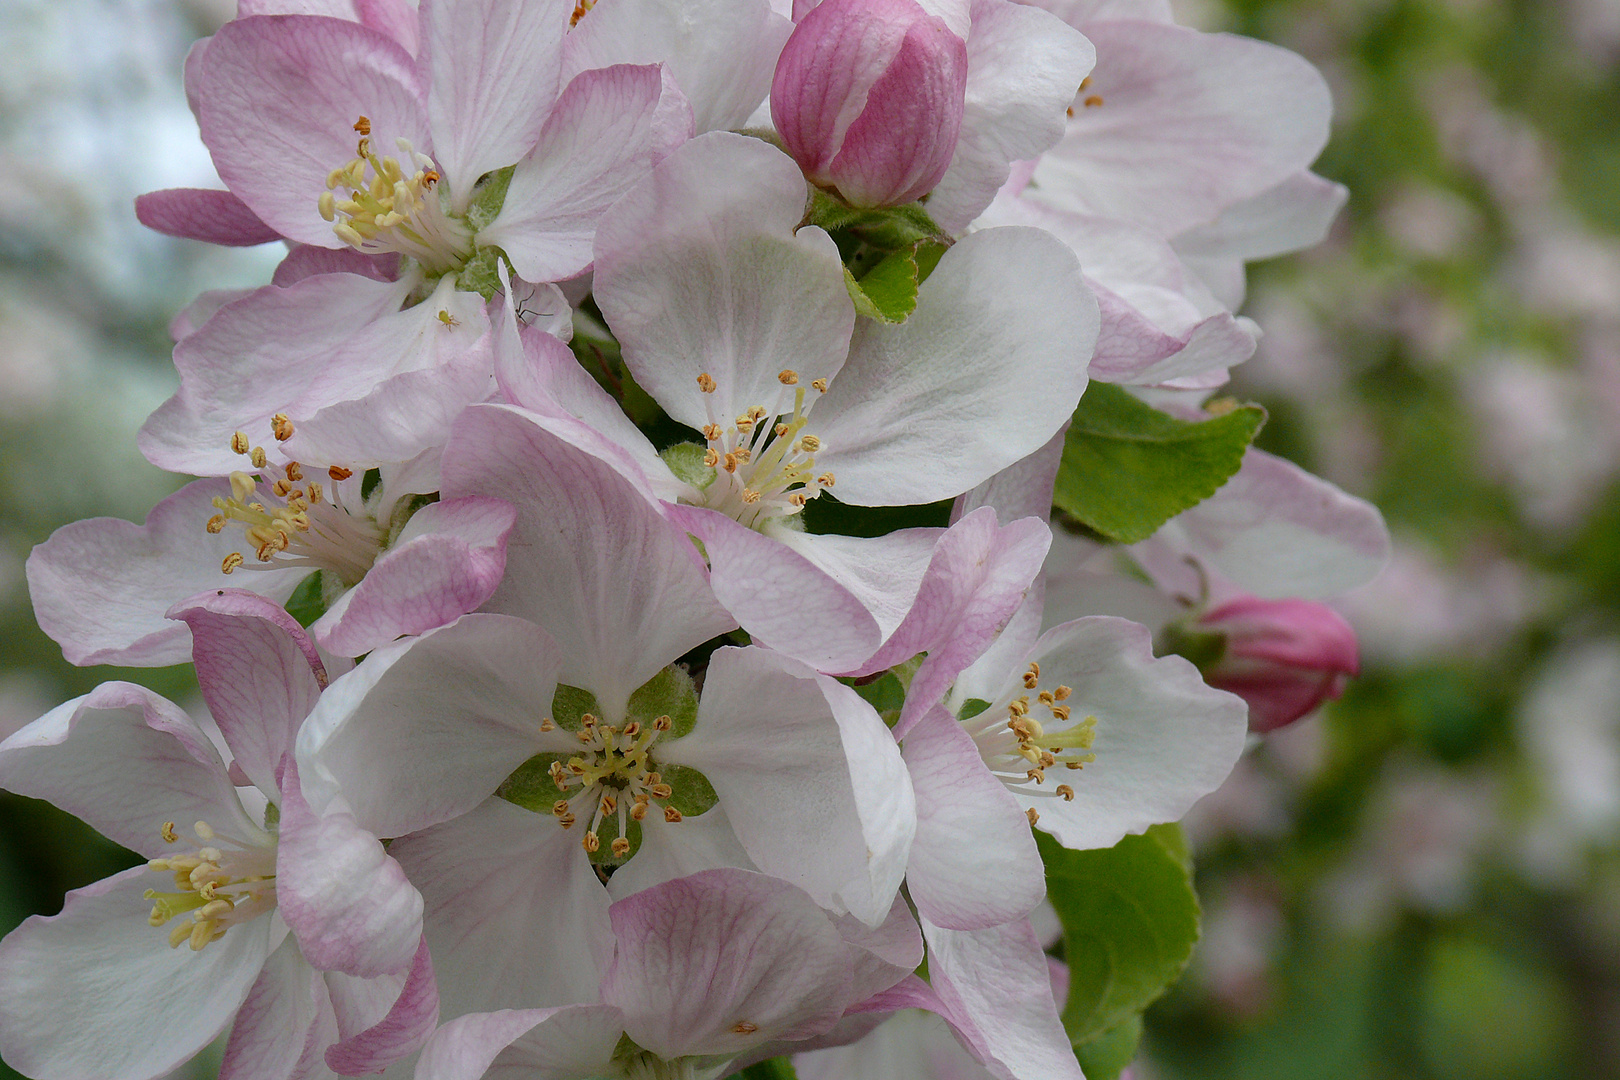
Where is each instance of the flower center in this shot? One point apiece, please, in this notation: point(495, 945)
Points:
point(616, 777)
point(764, 467)
point(1019, 748)
point(288, 520)
point(388, 211)
point(221, 884)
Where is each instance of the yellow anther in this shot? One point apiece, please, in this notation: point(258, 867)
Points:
point(547, 724)
point(168, 833)
point(781, 430)
point(820, 385)
point(339, 473)
point(620, 846)
point(706, 383)
point(258, 458)
point(662, 723)
point(671, 814)
point(216, 524)
point(788, 377)
point(711, 457)
point(1032, 677)
point(1062, 693)
point(239, 443)
point(743, 1027)
point(1060, 711)
point(1066, 791)
point(327, 205)
point(1092, 102)
point(560, 807)
point(826, 479)
point(363, 125)
point(712, 432)
point(1032, 815)
point(809, 444)
point(750, 496)
point(1044, 697)
point(232, 561)
point(282, 426)
point(592, 843)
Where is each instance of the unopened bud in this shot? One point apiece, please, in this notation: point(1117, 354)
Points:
point(1283, 657)
point(868, 98)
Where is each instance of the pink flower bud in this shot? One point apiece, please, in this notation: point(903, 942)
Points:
point(1284, 657)
point(868, 97)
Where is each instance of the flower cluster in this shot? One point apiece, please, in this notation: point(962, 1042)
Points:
point(622, 579)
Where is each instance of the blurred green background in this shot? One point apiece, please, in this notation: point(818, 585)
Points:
point(1424, 881)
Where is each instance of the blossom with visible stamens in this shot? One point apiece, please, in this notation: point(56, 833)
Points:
point(231, 895)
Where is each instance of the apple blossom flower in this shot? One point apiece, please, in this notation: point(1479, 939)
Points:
point(1283, 657)
point(868, 98)
point(704, 969)
point(392, 563)
point(351, 985)
point(614, 759)
point(480, 156)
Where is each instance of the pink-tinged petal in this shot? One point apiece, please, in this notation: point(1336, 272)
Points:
point(721, 52)
point(699, 271)
point(1004, 329)
point(1163, 739)
point(610, 127)
point(426, 728)
point(396, 18)
point(591, 559)
point(973, 863)
point(277, 101)
point(1159, 321)
point(785, 600)
point(1275, 531)
point(909, 1045)
point(307, 260)
point(125, 761)
point(405, 414)
point(881, 956)
point(191, 317)
point(277, 1021)
point(492, 68)
point(1251, 114)
point(446, 562)
point(810, 777)
point(214, 217)
point(997, 993)
point(154, 1007)
point(979, 575)
point(515, 914)
point(883, 572)
point(1295, 214)
point(541, 375)
point(1023, 67)
point(1023, 489)
point(722, 961)
point(347, 901)
point(259, 673)
point(326, 339)
point(101, 586)
point(400, 1032)
point(671, 850)
point(538, 1044)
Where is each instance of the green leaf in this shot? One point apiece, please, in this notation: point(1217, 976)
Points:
point(1130, 920)
point(1128, 468)
point(1107, 1055)
point(888, 291)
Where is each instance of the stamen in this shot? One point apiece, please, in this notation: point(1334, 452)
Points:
point(386, 211)
point(764, 460)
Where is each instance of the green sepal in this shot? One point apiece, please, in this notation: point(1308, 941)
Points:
point(886, 694)
point(308, 601)
point(668, 693)
point(1128, 468)
point(403, 511)
point(685, 460)
point(1130, 920)
point(489, 195)
point(889, 228)
point(779, 1068)
point(1204, 648)
point(888, 291)
point(569, 704)
point(1109, 1054)
point(972, 707)
point(481, 273)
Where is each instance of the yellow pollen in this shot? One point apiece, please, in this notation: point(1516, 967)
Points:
point(820, 385)
point(548, 724)
point(788, 377)
point(826, 479)
point(363, 125)
point(620, 846)
point(809, 444)
point(743, 1027)
point(1066, 791)
point(216, 524)
point(706, 383)
point(168, 833)
point(258, 458)
point(339, 473)
point(711, 457)
point(1062, 693)
point(1092, 102)
point(671, 814)
point(592, 843)
point(1032, 677)
point(712, 432)
point(281, 426)
point(1032, 815)
point(231, 562)
point(239, 443)
point(662, 723)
